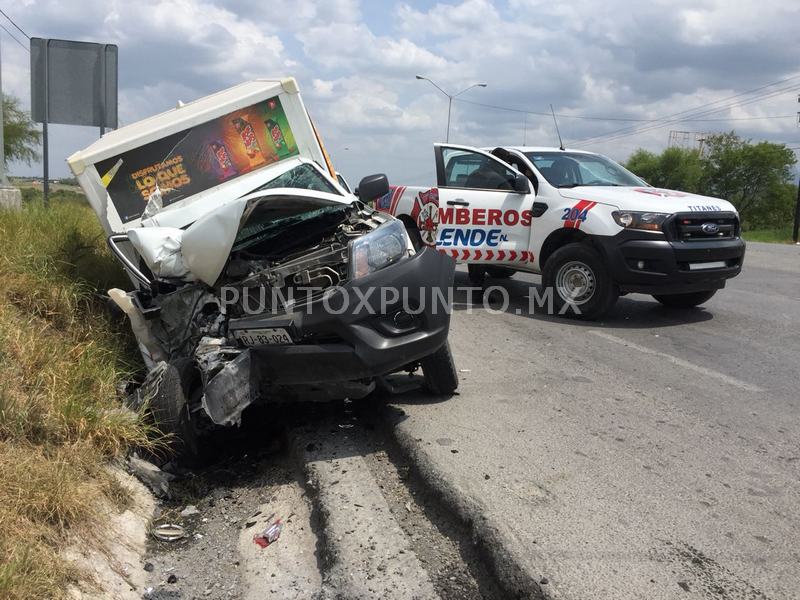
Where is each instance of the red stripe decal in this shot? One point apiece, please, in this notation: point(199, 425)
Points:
point(454, 253)
point(512, 255)
point(587, 208)
point(465, 254)
point(477, 254)
point(489, 254)
point(578, 207)
point(398, 193)
point(501, 254)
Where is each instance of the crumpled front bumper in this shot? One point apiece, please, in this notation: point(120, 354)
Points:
point(354, 334)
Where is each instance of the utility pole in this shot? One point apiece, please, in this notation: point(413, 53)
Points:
point(450, 99)
point(796, 229)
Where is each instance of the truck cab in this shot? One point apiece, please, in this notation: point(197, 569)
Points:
point(590, 227)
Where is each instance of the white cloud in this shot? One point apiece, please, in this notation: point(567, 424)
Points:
point(353, 48)
point(356, 64)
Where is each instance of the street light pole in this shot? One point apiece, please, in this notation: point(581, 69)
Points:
point(450, 99)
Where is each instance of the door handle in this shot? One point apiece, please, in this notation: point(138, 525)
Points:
point(538, 209)
point(457, 202)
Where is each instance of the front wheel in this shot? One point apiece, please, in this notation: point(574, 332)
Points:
point(685, 300)
point(581, 285)
point(181, 386)
point(440, 373)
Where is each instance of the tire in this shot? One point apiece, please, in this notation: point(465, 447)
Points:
point(477, 273)
point(500, 272)
point(414, 236)
point(685, 300)
point(578, 276)
point(439, 370)
point(180, 385)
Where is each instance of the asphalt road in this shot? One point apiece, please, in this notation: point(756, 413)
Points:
point(655, 454)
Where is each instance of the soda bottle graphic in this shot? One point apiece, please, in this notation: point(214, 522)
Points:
point(248, 136)
point(222, 158)
point(278, 141)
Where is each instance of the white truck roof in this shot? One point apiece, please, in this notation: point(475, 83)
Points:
point(217, 147)
point(541, 149)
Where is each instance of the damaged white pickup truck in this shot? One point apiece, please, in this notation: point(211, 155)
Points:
point(258, 278)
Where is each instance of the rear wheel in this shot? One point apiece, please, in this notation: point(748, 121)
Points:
point(500, 272)
point(477, 273)
point(440, 373)
point(181, 386)
point(580, 282)
point(685, 300)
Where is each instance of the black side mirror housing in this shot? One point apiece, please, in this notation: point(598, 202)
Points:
point(373, 187)
point(521, 184)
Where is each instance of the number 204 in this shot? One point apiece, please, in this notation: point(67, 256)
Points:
point(574, 214)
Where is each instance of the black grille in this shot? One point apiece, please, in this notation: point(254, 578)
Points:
point(705, 227)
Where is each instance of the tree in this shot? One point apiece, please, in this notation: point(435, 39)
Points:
point(674, 168)
point(756, 177)
point(751, 176)
point(21, 137)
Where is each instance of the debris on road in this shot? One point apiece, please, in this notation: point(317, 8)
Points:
point(190, 511)
point(154, 478)
point(169, 532)
point(270, 535)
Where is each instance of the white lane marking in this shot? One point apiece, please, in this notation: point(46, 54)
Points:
point(679, 362)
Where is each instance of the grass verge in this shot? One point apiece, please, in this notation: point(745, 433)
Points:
point(61, 359)
point(775, 236)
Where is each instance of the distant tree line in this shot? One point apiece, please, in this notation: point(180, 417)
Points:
point(757, 178)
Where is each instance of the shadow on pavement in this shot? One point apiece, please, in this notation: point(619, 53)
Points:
point(630, 312)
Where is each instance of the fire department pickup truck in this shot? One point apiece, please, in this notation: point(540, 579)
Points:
point(592, 229)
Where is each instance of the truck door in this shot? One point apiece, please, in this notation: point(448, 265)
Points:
point(484, 207)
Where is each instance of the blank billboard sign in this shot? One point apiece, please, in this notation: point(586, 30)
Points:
point(74, 83)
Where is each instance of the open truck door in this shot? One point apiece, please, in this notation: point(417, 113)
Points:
point(484, 206)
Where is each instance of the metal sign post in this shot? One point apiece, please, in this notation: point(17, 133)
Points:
point(72, 83)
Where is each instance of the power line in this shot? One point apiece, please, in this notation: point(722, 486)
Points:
point(11, 35)
point(2, 12)
point(707, 104)
point(628, 131)
point(624, 119)
point(618, 133)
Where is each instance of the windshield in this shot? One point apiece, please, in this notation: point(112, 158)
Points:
point(571, 169)
point(278, 219)
point(303, 177)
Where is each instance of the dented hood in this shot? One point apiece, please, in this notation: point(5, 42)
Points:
point(205, 245)
point(645, 198)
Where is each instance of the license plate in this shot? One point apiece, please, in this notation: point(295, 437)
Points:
point(717, 264)
point(263, 337)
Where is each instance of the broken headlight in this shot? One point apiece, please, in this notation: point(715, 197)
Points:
point(647, 221)
point(378, 249)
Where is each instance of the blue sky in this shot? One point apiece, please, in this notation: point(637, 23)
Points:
point(356, 62)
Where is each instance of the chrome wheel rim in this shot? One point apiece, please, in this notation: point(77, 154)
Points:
point(575, 282)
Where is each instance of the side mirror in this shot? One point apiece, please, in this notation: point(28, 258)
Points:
point(373, 187)
point(521, 184)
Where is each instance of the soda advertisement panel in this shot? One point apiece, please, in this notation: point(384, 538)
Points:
point(196, 159)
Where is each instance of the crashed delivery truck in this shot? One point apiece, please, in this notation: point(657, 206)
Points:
point(256, 275)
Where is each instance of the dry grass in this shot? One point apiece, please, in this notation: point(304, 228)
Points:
point(61, 359)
